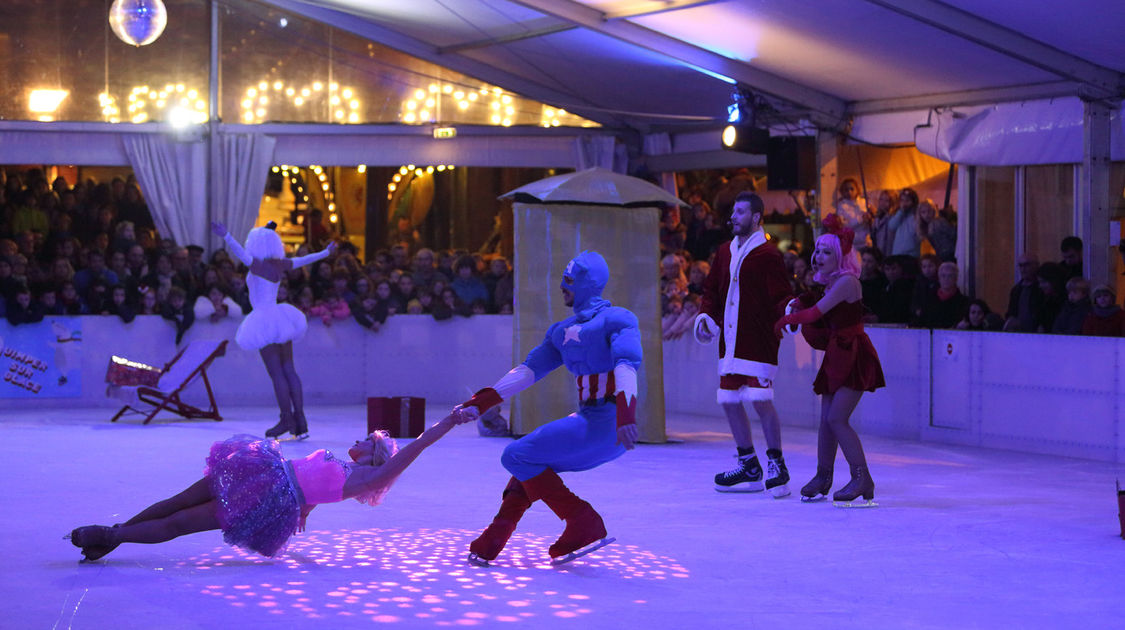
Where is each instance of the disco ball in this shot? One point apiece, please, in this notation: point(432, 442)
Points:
point(138, 22)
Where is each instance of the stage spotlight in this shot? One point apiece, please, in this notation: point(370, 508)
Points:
point(746, 138)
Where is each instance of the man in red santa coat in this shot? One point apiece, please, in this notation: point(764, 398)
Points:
point(743, 296)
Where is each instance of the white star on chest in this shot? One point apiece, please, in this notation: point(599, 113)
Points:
point(572, 334)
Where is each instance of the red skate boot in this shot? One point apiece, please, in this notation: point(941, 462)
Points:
point(492, 540)
point(584, 532)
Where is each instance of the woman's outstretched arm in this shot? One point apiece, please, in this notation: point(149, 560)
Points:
point(365, 480)
point(235, 247)
point(308, 259)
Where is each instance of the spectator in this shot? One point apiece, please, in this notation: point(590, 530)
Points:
point(1106, 318)
point(478, 307)
point(95, 270)
point(388, 298)
point(28, 216)
point(696, 275)
point(318, 235)
point(240, 293)
point(1071, 263)
point(341, 284)
point(321, 278)
point(48, 301)
point(176, 311)
point(673, 234)
point(500, 284)
point(425, 268)
point(946, 306)
point(466, 285)
point(21, 309)
point(980, 317)
point(673, 283)
point(904, 224)
point(405, 234)
point(801, 268)
point(118, 304)
point(853, 211)
point(895, 302)
point(8, 283)
point(216, 306)
point(400, 258)
point(925, 285)
point(124, 236)
point(1072, 315)
point(940, 233)
point(1052, 284)
point(683, 323)
point(369, 311)
point(149, 305)
point(1025, 300)
point(330, 307)
point(872, 280)
point(70, 301)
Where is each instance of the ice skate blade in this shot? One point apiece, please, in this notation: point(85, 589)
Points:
point(780, 492)
point(814, 499)
point(478, 561)
point(742, 487)
point(293, 438)
point(856, 503)
point(574, 555)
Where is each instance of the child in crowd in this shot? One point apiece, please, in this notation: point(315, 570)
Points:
point(1106, 318)
point(369, 312)
point(119, 305)
point(176, 311)
point(216, 306)
point(1072, 315)
point(330, 307)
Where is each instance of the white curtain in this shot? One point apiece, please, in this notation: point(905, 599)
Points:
point(172, 177)
point(244, 163)
point(600, 151)
point(661, 144)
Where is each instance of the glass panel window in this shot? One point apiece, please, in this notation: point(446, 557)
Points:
point(1048, 209)
point(280, 67)
point(62, 62)
point(995, 244)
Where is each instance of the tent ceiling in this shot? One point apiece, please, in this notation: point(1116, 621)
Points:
point(651, 63)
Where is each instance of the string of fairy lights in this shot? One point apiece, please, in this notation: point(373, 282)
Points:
point(266, 100)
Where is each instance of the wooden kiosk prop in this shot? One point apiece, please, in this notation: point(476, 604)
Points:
point(554, 220)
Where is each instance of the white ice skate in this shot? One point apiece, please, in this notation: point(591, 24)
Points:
point(478, 561)
point(578, 553)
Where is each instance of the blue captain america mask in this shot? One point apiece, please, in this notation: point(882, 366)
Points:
point(586, 276)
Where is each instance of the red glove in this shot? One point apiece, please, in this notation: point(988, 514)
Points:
point(806, 316)
point(626, 409)
point(484, 400)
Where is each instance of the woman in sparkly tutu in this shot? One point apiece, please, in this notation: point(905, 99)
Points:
point(270, 328)
point(258, 498)
point(850, 367)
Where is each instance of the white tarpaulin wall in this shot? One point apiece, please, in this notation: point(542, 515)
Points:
point(547, 236)
point(1014, 134)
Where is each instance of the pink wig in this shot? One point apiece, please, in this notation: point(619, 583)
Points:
point(848, 263)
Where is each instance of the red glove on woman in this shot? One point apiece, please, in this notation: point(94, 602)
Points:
point(806, 316)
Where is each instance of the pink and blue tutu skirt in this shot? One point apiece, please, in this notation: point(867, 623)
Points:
point(258, 501)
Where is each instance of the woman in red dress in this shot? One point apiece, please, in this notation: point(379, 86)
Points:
point(850, 366)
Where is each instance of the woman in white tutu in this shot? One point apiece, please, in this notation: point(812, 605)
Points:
point(270, 328)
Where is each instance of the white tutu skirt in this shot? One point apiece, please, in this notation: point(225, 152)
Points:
point(273, 323)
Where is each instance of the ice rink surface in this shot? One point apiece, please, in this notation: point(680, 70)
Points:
point(963, 538)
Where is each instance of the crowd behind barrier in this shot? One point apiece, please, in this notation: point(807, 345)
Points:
point(91, 249)
point(908, 270)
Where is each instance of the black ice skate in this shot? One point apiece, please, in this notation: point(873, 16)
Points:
point(818, 487)
point(747, 477)
point(777, 475)
point(861, 485)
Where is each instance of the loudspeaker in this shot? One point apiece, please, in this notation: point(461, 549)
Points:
point(791, 163)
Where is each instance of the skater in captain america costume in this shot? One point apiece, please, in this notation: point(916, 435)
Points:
point(601, 345)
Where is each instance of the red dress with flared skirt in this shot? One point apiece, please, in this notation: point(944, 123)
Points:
point(849, 358)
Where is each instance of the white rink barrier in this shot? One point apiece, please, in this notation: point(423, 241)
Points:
point(1050, 394)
